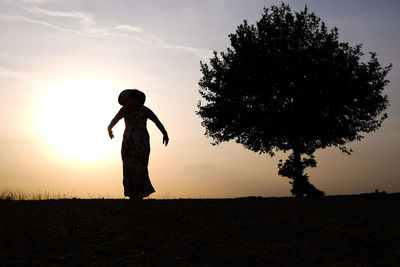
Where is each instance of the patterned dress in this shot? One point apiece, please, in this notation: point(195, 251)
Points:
point(135, 153)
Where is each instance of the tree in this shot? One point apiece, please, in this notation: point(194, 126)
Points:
point(288, 84)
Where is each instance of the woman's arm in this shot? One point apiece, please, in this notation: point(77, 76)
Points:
point(160, 126)
point(114, 121)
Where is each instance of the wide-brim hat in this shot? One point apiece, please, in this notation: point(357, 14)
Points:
point(128, 93)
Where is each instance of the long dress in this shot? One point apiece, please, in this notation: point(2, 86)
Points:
point(135, 153)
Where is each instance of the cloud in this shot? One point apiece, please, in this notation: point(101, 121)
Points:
point(197, 51)
point(125, 27)
point(85, 19)
point(91, 30)
point(40, 22)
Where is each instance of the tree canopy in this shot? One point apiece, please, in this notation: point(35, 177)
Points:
point(288, 83)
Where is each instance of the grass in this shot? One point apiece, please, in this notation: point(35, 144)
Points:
point(18, 194)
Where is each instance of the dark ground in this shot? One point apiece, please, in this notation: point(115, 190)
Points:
point(352, 230)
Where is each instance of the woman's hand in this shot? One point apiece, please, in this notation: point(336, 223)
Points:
point(165, 139)
point(110, 133)
point(114, 121)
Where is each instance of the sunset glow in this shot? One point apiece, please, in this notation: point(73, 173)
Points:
point(72, 119)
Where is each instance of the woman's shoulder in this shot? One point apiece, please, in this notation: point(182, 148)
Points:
point(146, 110)
point(123, 111)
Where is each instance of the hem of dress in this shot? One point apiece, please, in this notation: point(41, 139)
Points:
point(140, 196)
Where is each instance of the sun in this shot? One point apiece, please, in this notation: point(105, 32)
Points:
point(73, 119)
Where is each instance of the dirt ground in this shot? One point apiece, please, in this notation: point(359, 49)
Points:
point(249, 231)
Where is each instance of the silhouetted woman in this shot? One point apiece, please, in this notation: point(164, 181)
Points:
point(135, 149)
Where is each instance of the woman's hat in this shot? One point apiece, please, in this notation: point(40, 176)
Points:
point(128, 93)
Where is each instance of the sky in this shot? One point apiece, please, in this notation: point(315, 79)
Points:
point(63, 64)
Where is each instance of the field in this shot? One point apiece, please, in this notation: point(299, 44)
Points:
point(253, 231)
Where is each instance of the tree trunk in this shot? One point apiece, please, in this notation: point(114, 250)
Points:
point(301, 186)
point(293, 168)
point(299, 181)
point(298, 170)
